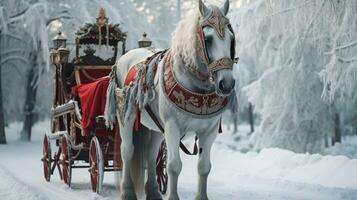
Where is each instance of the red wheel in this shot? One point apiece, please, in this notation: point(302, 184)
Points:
point(96, 165)
point(161, 173)
point(65, 160)
point(46, 158)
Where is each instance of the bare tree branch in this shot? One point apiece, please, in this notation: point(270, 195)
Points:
point(347, 60)
point(345, 46)
point(20, 13)
point(19, 58)
point(12, 51)
point(291, 9)
point(18, 38)
point(15, 67)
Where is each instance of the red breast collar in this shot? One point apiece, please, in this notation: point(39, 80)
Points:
point(194, 103)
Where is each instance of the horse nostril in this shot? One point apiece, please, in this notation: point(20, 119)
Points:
point(224, 89)
point(221, 85)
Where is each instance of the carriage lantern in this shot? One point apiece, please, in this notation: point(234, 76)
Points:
point(63, 54)
point(59, 53)
point(144, 42)
point(59, 41)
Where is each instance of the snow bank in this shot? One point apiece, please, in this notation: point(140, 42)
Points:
point(284, 165)
point(347, 148)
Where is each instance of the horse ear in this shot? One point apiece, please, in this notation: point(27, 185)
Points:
point(225, 7)
point(203, 8)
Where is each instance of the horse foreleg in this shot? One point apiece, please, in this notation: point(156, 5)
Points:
point(174, 164)
point(127, 149)
point(204, 163)
point(151, 186)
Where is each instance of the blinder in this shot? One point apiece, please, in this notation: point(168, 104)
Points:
point(233, 43)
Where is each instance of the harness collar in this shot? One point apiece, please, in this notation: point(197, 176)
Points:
point(186, 100)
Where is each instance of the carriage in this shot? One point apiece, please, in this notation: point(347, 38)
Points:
point(77, 123)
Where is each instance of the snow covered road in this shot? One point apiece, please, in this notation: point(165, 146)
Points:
point(271, 174)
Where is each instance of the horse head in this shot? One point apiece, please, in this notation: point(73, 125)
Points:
point(216, 46)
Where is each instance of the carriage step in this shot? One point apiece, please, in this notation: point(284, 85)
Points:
point(69, 107)
point(56, 135)
point(63, 109)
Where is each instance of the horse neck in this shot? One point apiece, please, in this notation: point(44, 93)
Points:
point(189, 81)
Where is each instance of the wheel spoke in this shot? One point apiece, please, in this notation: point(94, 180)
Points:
point(96, 164)
point(65, 161)
point(46, 158)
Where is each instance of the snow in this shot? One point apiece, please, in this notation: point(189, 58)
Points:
point(347, 148)
point(270, 174)
point(9, 187)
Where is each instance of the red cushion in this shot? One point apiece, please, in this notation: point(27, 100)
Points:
point(92, 99)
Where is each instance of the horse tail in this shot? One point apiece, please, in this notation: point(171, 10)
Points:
point(110, 105)
point(140, 140)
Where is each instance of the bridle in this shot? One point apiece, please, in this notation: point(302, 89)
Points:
point(218, 22)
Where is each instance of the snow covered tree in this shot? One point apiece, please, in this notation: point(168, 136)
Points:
point(287, 43)
point(17, 43)
point(2, 119)
point(340, 73)
point(25, 48)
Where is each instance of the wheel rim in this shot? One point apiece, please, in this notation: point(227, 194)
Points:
point(66, 161)
point(161, 173)
point(46, 158)
point(93, 164)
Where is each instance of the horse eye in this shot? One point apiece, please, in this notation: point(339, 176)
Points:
point(208, 38)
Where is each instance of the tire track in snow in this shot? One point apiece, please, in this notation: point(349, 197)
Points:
point(12, 188)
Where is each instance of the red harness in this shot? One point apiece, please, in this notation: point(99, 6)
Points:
point(186, 100)
point(130, 79)
point(131, 76)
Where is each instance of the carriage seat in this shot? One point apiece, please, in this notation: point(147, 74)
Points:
point(90, 73)
point(91, 89)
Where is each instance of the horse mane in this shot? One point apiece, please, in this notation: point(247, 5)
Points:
point(184, 39)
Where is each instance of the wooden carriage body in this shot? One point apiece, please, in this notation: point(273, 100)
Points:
point(93, 148)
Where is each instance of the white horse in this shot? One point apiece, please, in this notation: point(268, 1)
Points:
point(193, 86)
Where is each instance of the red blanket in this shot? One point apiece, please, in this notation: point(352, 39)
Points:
point(92, 99)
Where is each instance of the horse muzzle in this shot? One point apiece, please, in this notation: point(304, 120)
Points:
point(225, 89)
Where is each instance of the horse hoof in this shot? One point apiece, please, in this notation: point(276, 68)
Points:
point(152, 193)
point(173, 198)
point(128, 197)
point(154, 197)
point(201, 198)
